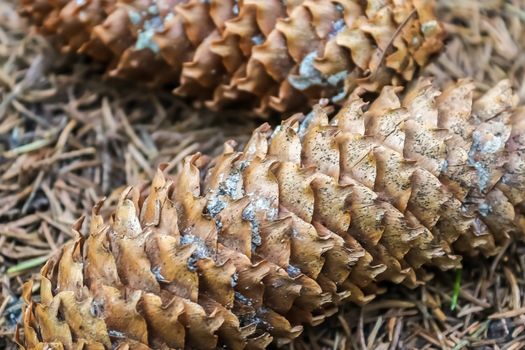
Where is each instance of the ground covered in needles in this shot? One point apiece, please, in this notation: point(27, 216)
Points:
point(69, 138)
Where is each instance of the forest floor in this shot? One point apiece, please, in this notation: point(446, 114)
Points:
point(68, 138)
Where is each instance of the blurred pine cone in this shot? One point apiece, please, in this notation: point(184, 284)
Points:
point(284, 53)
point(241, 250)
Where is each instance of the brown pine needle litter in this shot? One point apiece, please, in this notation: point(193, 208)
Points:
point(486, 41)
point(67, 138)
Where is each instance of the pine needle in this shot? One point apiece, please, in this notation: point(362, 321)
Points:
point(457, 288)
point(30, 147)
point(27, 265)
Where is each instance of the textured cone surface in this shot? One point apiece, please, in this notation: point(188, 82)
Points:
point(283, 53)
point(243, 250)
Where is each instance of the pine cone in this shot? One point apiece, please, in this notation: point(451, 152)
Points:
point(309, 216)
point(224, 51)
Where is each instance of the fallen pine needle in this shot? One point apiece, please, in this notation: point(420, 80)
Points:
point(507, 314)
point(457, 289)
point(27, 264)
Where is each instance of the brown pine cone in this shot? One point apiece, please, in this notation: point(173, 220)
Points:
point(244, 249)
point(284, 53)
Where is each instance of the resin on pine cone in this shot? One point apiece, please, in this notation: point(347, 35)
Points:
point(281, 54)
point(244, 249)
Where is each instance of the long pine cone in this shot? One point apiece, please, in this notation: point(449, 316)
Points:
point(280, 54)
point(244, 249)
